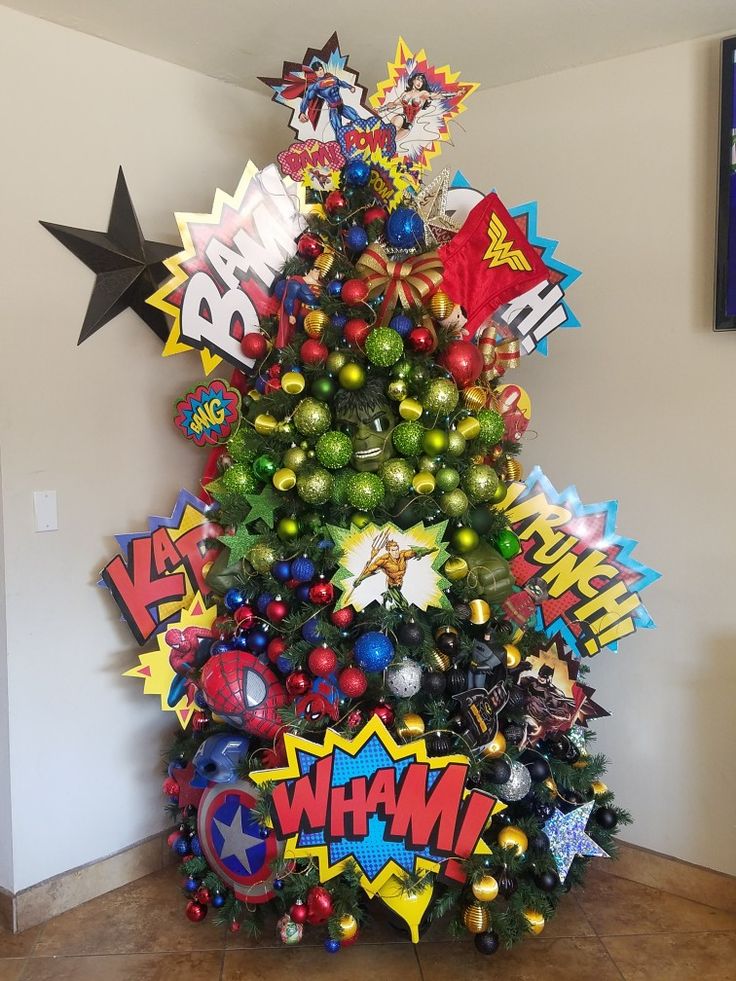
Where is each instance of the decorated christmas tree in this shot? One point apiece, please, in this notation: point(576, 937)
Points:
point(373, 631)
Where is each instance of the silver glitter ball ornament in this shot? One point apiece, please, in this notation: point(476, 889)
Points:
point(518, 785)
point(404, 679)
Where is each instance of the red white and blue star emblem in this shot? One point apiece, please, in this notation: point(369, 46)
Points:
point(233, 843)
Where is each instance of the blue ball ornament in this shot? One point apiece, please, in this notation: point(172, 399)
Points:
point(261, 385)
point(257, 640)
point(218, 900)
point(373, 651)
point(284, 665)
point(302, 592)
point(281, 570)
point(401, 324)
point(356, 172)
point(332, 946)
point(181, 846)
point(240, 642)
point(194, 846)
point(303, 569)
point(405, 229)
point(310, 631)
point(191, 885)
point(221, 647)
point(262, 602)
point(356, 238)
point(334, 287)
point(278, 884)
point(234, 598)
point(339, 319)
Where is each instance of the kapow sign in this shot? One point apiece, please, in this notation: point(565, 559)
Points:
point(161, 570)
point(592, 582)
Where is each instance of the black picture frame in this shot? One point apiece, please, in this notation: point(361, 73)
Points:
point(725, 299)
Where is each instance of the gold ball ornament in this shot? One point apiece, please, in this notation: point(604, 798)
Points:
point(294, 458)
point(438, 661)
point(261, 557)
point(480, 611)
point(550, 784)
point(475, 918)
point(337, 360)
point(352, 377)
point(513, 837)
point(495, 748)
point(455, 568)
point(474, 398)
point(315, 323)
point(265, 424)
point(312, 418)
point(512, 470)
point(469, 427)
point(598, 787)
point(293, 382)
point(348, 926)
point(410, 726)
point(535, 920)
point(513, 656)
point(284, 479)
point(456, 443)
point(325, 260)
point(397, 390)
point(485, 889)
point(410, 409)
point(423, 482)
point(440, 306)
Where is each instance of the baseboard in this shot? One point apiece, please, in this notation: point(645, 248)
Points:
point(63, 892)
point(674, 876)
point(7, 911)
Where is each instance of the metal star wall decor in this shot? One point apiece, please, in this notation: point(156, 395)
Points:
point(129, 268)
point(431, 204)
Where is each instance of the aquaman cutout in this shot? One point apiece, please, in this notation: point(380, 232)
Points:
point(388, 558)
point(368, 419)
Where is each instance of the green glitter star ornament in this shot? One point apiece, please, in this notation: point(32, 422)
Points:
point(262, 507)
point(240, 542)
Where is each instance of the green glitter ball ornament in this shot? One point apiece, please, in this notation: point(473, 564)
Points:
point(339, 492)
point(294, 458)
point(454, 503)
point(312, 418)
point(365, 491)
point(397, 475)
point(384, 347)
point(402, 369)
point(429, 463)
point(237, 446)
point(440, 396)
point(481, 482)
point(456, 443)
point(447, 479)
point(491, 426)
point(337, 360)
point(407, 437)
point(315, 486)
point(238, 480)
point(334, 450)
point(323, 388)
point(261, 556)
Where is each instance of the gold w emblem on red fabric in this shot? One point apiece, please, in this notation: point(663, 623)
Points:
point(500, 251)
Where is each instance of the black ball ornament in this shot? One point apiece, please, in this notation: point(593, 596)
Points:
point(498, 771)
point(438, 744)
point(456, 681)
point(539, 843)
point(409, 633)
point(606, 818)
point(507, 884)
point(434, 683)
point(547, 881)
point(487, 943)
point(538, 769)
point(448, 643)
point(543, 809)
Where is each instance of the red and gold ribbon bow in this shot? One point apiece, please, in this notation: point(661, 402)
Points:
point(500, 350)
point(407, 282)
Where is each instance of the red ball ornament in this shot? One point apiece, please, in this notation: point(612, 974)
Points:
point(234, 926)
point(464, 362)
point(309, 247)
point(348, 941)
point(335, 202)
point(356, 331)
point(274, 371)
point(322, 593)
point(319, 905)
point(173, 838)
point(384, 712)
point(352, 682)
point(272, 385)
point(298, 683)
point(355, 719)
point(374, 214)
point(298, 912)
point(203, 895)
point(314, 352)
point(420, 340)
point(342, 618)
point(254, 346)
point(354, 291)
point(322, 661)
point(195, 911)
point(170, 787)
point(200, 721)
point(244, 616)
point(277, 610)
point(275, 649)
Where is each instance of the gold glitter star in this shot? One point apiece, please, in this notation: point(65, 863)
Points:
point(431, 204)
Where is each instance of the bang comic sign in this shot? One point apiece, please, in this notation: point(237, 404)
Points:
point(161, 569)
point(208, 414)
point(390, 808)
point(220, 282)
point(592, 581)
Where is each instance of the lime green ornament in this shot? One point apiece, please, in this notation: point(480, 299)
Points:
point(294, 458)
point(407, 437)
point(499, 493)
point(315, 486)
point(312, 418)
point(440, 396)
point(264, 467)
point(465, 540)
point(454, 503)
point(481, 482)
point(237, 446)
point(352, 376)
point(447, 479)
point(456, 443)
point(261, 557)
point(435, 442)
point(238, 480)
point(384, 347)
point(339, 492)
point(359, 520)
point(334, 450)
point(397, 475)
point(491, 426)
point(337, 360)
point(323, 388)
point(365, 491)
point(288, 529)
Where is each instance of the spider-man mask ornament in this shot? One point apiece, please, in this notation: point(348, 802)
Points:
point(245, 692)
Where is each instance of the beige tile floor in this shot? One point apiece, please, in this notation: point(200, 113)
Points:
point(611, 930)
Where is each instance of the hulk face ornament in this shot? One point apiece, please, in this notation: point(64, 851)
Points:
point(368, 419)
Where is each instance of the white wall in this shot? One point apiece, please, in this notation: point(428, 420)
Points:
point(6, 837)
point(638, 405)
point(92, 422)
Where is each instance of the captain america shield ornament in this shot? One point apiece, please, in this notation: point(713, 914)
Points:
point(232, 840)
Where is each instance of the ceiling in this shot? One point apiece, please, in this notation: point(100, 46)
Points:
point(493, 42)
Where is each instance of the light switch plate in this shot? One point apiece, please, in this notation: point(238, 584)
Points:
point(45, 511)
